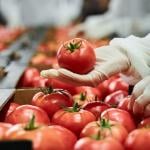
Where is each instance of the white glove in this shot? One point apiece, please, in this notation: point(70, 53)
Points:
point(141, 97)
point(103, 26)
point(130, 56)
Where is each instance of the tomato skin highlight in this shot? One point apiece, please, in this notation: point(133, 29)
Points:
point(74, 121)
point(138, 139)
point(81, 60)
point(109, 129)
point(23, 113)
point(121, 116)
point(52, 102)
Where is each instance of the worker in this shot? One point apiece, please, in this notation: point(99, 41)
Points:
point(123, 17)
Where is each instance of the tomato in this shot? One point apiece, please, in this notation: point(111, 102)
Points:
point(138, 139)
point(76, 55)
point(23, 113)
point(120, 116)
point(103, 87)
point(115, 98)
point(55, 83)
point(144, 123)
point(91, 93)
point(124, 103)
point(81, 98)
point(118, 84)
point(3, 128)
point(73, 119)
point(27, 78)
point(7, 109)
point(106, 128)
point(39, 82)
point(43, 137)
point(51, 100)
point(96, 107)
point(92, 144)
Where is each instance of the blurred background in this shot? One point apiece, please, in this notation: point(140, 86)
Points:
point(94, 18)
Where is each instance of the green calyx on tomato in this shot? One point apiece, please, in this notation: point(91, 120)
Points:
point(97, 136)
point(75, 108)
point(105, 123)
point(72, 46)
point(83, 96)
point(31, 124)
point(48, 90)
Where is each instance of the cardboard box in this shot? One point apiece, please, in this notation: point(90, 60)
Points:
point(20, 96)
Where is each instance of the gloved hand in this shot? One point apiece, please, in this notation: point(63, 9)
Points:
point(129, 56)
point(140, 103)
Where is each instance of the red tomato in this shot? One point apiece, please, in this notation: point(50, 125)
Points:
point(81, 98)
point(52, 101)
point(145, 123)
point(39, 82)
point(76, 55)
point(115, 98)
point(43, 137)
point(3, 128)
point(103, 87)
point(120, 116)
point(28, 76)
point(123, 104)
point(92, 144)
point(138, 139)
point(7, 109)
point(73, 118)
point(106, 128)
point(55, 83)
point(118, 84)
point(23, 113)
point(91, 92)
point(96, 108)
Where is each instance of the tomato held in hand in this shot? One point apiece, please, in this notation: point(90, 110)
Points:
point(73, 119)
point(88, 143)
point(43, 137)
point(120, 116)
point(51, 100)
point(106, 128)
point(23, 113)
point(138, 139)
point(76, 55)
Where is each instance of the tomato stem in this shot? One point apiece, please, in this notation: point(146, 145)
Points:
point(72, 46)
point(74, 109)
point(31, 124)
point(96, 136)
point(83, 96)
point(105, 123)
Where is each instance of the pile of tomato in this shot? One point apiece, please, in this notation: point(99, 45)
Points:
point(8, 36)
point(91, 118)
point(66, 117)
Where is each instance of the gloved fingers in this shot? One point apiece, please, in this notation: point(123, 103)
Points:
point(147, 111)
point(141, 103)
point(140, 87)
point(90, 79)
